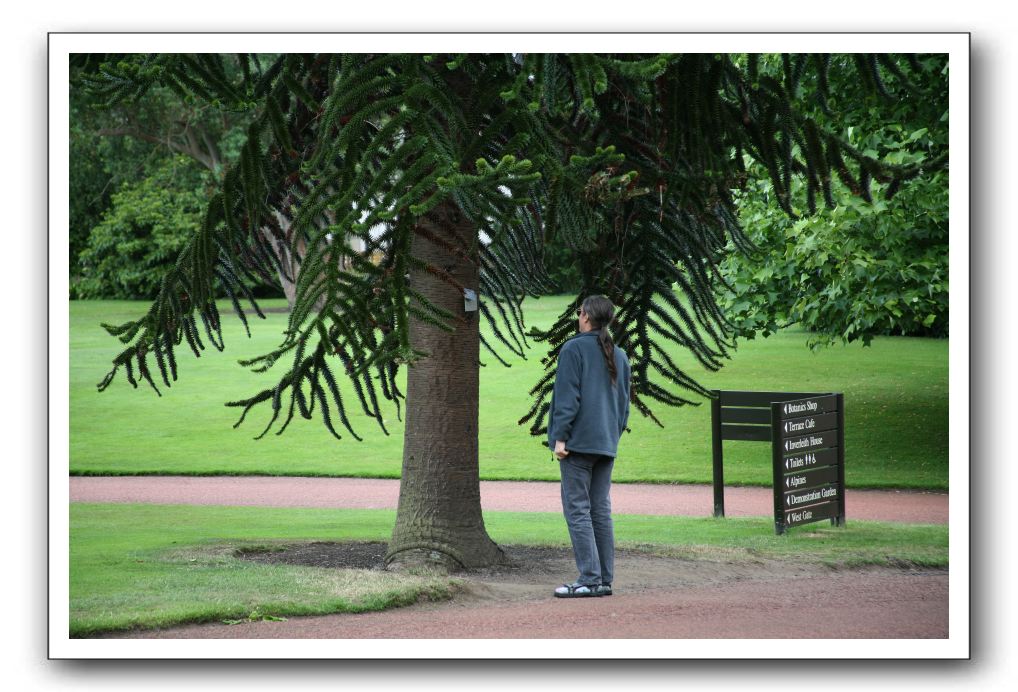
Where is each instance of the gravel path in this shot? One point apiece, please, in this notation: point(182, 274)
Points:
point(857, 604)
point(368, 493)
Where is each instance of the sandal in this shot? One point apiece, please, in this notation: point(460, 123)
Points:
point(575, 590)
point(604, 590)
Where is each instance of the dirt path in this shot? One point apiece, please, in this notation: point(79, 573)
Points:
point(368, 493)
point(870, 605)
point(656, 597)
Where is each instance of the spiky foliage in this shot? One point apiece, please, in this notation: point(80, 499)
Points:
point(629, 158)
point(670, 134)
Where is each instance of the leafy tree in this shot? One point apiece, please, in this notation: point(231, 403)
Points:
point(630, 159)
point(868, 265)
point(142, 233)
point(88, 188)
point(98, 167)
point(161, 148)
point(563, 273)
point(168, 122)
point(171, 121)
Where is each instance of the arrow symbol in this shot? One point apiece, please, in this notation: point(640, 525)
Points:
point(786, 427)
point(786, 445)
point(786, 483)
point(786, 464)
point(786, 409)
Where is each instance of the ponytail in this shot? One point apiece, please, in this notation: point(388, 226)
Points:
point(604, 339)
point(601, 313)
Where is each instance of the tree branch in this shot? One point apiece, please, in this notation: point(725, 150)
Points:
point(193, 151)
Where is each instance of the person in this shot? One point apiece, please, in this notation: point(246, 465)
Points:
point(589, 411)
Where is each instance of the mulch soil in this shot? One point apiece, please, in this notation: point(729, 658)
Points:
point(522, 559)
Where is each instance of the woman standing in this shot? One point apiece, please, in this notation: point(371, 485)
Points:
point(589, 411)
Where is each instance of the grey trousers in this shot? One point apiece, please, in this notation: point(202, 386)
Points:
point(586, 503)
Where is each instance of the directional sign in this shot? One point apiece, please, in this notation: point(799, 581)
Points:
point(808, 497)
point(806, 460)
point(808, 407)
point(794, 517)
point(810, 479)
point(808, 424)
point(808, 443)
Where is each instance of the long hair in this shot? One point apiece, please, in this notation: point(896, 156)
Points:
point(601, 313)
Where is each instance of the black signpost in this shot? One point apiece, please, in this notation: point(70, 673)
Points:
point(808, 450)
point(807, 436)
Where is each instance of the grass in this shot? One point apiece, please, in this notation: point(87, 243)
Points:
point(143, 566)
point(895, 393)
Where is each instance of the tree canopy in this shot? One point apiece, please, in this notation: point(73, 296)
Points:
point(630, 159)
point(868, 265)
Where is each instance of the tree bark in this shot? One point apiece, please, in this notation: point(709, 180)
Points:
point(287, 283)
point(439, 515)
point(291, 264)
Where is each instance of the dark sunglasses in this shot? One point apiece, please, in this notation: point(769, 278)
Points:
point(579, 311)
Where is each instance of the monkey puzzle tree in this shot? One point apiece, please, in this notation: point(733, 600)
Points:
point(456, 169)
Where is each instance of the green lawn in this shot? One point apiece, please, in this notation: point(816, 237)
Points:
point(895, 392)
point(158, 565)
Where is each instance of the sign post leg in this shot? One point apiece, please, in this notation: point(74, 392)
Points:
point(719, 474)
point(776, 458)
point(840, 519)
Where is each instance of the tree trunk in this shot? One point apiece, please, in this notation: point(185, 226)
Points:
point(292, 265)
point(439, 516)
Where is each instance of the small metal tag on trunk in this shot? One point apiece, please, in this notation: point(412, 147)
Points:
point(469, 300)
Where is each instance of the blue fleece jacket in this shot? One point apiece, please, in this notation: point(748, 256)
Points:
point(588, 413)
